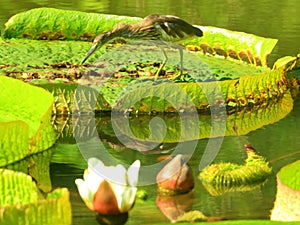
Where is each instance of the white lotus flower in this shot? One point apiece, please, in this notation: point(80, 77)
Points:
point(108, 189)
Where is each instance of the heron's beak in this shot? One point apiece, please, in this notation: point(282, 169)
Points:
point(92, 49)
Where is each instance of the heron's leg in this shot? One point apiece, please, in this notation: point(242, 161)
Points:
point(162, 64)
point(180, 75)
point(181, 60)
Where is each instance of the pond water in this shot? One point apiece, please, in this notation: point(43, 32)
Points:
point(277, 140)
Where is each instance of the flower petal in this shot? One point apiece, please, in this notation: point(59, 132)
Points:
point(105, 201)
point(125, 196)
point(95, 164)
point(133, 173)
point(117, 174)
point(86, 194)
point(92, 179)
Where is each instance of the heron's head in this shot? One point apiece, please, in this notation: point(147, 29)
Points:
point(100, 40)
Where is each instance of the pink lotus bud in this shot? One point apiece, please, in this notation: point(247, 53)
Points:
point(176, 177)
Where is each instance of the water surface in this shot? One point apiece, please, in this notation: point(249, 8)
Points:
point(278, 142)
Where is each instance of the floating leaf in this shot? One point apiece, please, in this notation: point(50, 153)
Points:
point(236, 45)
point(170, 97)
point(56, 24)
point(238, 86)
point(25, 126)
point(288, 63)
point(71, 98)
point(287, 203)
point(20, 203)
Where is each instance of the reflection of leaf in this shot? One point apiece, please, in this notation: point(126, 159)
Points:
point(287, 204)
point(20, 204)
point(37, 166)
point(25, 116)
point(135, 131)
point(69, 154)
point(191, 216)
point(179, 127)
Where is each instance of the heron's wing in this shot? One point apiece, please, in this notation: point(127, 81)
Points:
point(172, 28)
point(180, 27)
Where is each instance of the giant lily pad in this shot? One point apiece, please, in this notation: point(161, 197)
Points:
point(22, 204)
point(25, 120)
point(55, 24)
point(232, 82)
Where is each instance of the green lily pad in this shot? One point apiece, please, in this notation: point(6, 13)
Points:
point(21, 204)
point(56, 24)
point(287, 203)
point(25, 126)
point(235, 45)
point(239, 83)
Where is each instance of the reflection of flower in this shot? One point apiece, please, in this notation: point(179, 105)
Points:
point(108, 190)
point(175, 206)
point(176, 177)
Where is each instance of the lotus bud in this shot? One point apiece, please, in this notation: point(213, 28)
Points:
point(176, 177)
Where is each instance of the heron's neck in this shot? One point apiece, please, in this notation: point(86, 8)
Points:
point(119, 31)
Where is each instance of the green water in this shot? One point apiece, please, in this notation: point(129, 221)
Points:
point(278, 142)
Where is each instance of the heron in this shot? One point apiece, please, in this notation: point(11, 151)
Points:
point(154, 27)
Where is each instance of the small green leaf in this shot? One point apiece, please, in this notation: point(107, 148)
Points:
point(287, 203)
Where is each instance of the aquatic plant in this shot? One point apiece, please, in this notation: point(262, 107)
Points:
point(176, 177)
point(287, 203)
point(243, 79)
point(25, 120)
point(22, 203)
point(108, 189)
point(225, 177)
